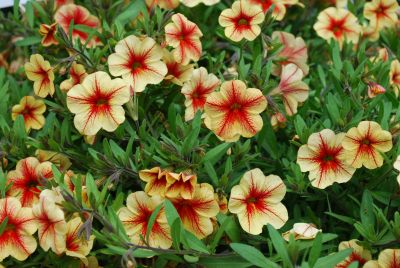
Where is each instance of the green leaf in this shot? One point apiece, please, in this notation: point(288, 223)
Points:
point(253, 255)
point(191, 139)
point(333, 259)
point(224, 261)
point(19, 128)
point(28, 41)
point(192, 242)
point(29, 14)
point(279, 245)
point(131, 12)
point(174, 222)
point(152, 220)
point(3, 225)
point(216, 153)
point(367, 210)
point(315, 250)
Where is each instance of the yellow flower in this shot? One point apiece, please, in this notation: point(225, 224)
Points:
point(48, 32)
point(156, 181)
point(381, 13)
point(388, 258)
point(177, 73)
point(180, 185)
point(359, 254)
point(192, 3)
point(32, 110)
point(302, 231)
point(222, 203)
point(77, 74)
point(165, 4)
point(40, 72)
point(395, 76)
point(58, 159)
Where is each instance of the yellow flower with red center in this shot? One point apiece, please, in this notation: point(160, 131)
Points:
point(48, 32)
point(26, 179)
point(58, 159)
point(16, 239)
point(138, 61)
point(291, 88)
point(257, 201)
point(388, 258)
point(165, 4)
point(196, 91)
point(32, 110)
point(234, 111)
point(180, 185)
point(184, 36)
point(359, 254)
point(395, 75)
point(77, 74)
point(302, 231)
point(325, 158)
point(177, 73)
point(192, 3)
point(97, 103)
point(364, 144)
point(135, 218)
point(242, 21)
point(375, 89)
point(156, 181)
point(40, 72)
point(338, 24)
point(381, 13)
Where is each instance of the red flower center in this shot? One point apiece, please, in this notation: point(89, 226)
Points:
point(381, 10)
point(336, 26)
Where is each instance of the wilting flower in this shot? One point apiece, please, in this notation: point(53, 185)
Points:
point(184, 36)
point(278, 120)
point(40, 72)
point(339, 24)
point(196, 213)
point(324, 157)
point(294, 51)
point(28, 175)
point(359, 254)
point(257, 201)
point(80, 16)
point(291, 88)
point(165, 4)
point(196, 90)
point(97, 103)
point(180, 185)
point(16, 240)
point(395, 75)
point(177, 73)
point(242, 21)
point(77, 74)
point(302, 231)
point(48, 32)
point(58, 159)
point(32, 110)
point(381, 13)
point(388, 258)
point(138, 61)
point(234, 111)
point(375, 89)
point(222, 203)
point(135, 218)
point(192, 3)
point(364, 144)
point(156, 181)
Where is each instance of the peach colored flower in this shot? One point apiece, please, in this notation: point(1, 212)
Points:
point(97, 103)
point(135, 218)
point(77, 74)
point(278, 120)
point(48, 32)
point(279, 7)
point(257, 201)
point(180, 185)
point(40, 72)
point(359, 254)
point(222, 203)
point(381, 13)
point(165, 4)
point(138, 61)
point(339, 24)
point(242, 21)
point(325, 158)
point(302, 231)
point(370, 31)
point(234, 111)
point(388, 258)
point(16, 240)
point(156, 181)
point(375, 89)
point(395, 76)
point(58, 159)
point(32, 110)
point(364, 144)
point(291, 88)
point(184, 36)
point(196, 91)
point(192, 3)
point(177, 73)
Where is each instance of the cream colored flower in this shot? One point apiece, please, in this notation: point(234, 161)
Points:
point(77, 74)
point(395, 76)
point(32, 110)
point(302, 231)
point(177, 73)
point(40, 72)
point(359, 254)
point(381, 13)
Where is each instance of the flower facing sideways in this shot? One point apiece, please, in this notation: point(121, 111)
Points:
point(192, 3)
point(388, 258)
point(180, 185)
point(359, 254)
point(257, 201)
point(165, 4)
point(375, 89)
point(395, 76)
point(177, 73)
point(32, 110)
point(48, 32)
point(77, 74)
point(381, 13)
point(156, 181)
point(279, 10)
point(40, 72)
point(302, 231)
point(97, 103)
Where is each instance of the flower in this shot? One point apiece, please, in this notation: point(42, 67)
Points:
point(388, 258)
point(359, 254)
point(196, 91)
point(395, 75)
point(396, 166)
point(324, 157)
point(294, 51)
point(32, 110)
point(28, 175)
point(184, 36)
point(138, 61)
point(339, 24)
point(381, 13)
point(177, 73)
point(97, 103)
point(278, 120)
point(364, 143)
point(222, 203)
point(181, 184)
point(165, 4)
point(58, 159)
point(291, 88)
point(52, 227)
point(338, 3)
point(375, 89)
point(242, 21)
point(279, 10)
point(80, 16)
point(196, 213)
point(302, 231)
point(370, 31)
point(40, 72)
point(135, 218)
point(48, 32)
point(192, 3)
point(77, 74)
point(234, 111)
point(156, 181)
point(16, 239)
point(257, 201)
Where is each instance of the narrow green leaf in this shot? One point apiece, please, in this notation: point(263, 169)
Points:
point(252, 255)
point(279, 245)
point(333, 259)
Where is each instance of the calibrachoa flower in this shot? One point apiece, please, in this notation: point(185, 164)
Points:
point(156, 181)
point(180, 185)
point(234, 111)
point(165, 4)
point(138, 61)
point(28, 175)
point(324, 157)
point(48, 32)
point(135, 218)
point(279, 7)
point(257, 201)
point(339, 24)
point(395, 75)
point(222, 203)
point(97, 103)
point(40, 72)
point(242, 21)
point(291, 88)
point(192, 3)
point(381, 13)
point(359, 254)
point(302, 231)
point(375, 89)
point(388, 258)
point(196, 213)
point(58, 159)
point(32, 110)
point(364, 144)
point(184, 36)
point(397, 167)
point(177, 73)
point(16, 239)
point(196, 90)
point(77, 74)
point(278, 120)
point(338, 3)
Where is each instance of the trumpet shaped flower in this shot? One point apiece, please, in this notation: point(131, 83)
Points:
point(395, 75)
point(177, 73)
point(180, 185)
point(302, 231)
point(381, 13)
point(77, 74)
point(40, 72)
point(279, 10)
point(48, 32)
point(32, 110)
point(156, 181)
point(359, 254)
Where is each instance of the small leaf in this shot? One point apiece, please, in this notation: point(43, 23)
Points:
point(333, 259)
point(253, 255)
